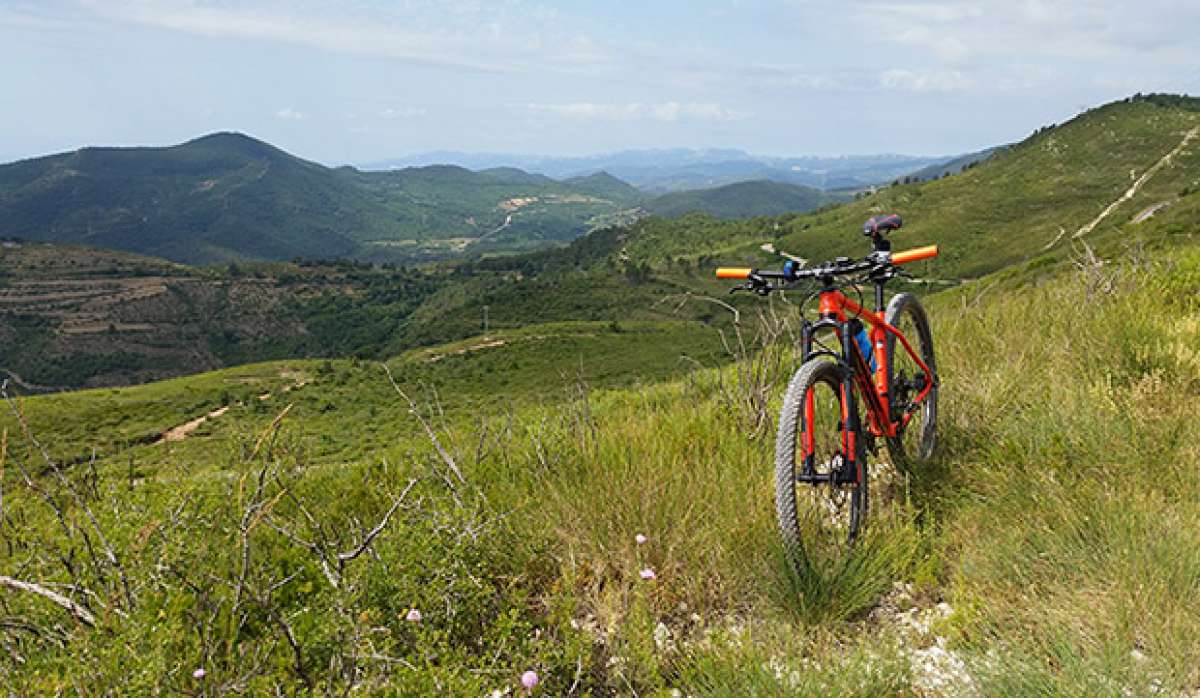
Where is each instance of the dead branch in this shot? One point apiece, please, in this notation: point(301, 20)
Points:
point(79, 612)
point(270, 430)
point(437, 444)
point(689, 296)
point(373, 533)
point(109, 552)
point(333, 564)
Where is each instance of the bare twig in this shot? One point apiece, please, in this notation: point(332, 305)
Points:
point(270, 430)
point(333, 563)
point(437, 444)
point(371, 535)
point(79, 612)
point(689, 296)
point(109, 552)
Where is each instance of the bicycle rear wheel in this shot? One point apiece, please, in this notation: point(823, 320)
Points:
point(906, 379)
point(825, 516)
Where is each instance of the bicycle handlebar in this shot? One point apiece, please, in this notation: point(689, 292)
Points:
point(915, 255)
point(841, 266)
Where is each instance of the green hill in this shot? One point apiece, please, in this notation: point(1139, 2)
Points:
point(75, 317)
point(604, 185)
point(1032, 200)
point(230, 197)
point(742, 200)
point(953, 166)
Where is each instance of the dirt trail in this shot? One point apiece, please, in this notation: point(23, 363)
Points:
point(476, 347)
point(1138, 184)
point(181, 432)
point(185, 430)
point(1149, 212)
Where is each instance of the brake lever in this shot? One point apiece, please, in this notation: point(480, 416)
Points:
point(762, 288)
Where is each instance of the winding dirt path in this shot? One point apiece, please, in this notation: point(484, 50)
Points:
point(182, 431)
point(1138, 184)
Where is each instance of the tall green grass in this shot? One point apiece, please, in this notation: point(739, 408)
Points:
point(1057, 520)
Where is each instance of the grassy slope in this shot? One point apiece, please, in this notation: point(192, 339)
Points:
point(1004, 211)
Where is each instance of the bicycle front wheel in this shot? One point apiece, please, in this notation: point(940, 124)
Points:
point(818, 516)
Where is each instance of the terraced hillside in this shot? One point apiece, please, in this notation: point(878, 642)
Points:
point(74, 316)
point(227, 197)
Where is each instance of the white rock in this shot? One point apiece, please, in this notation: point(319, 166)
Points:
point(662, 637)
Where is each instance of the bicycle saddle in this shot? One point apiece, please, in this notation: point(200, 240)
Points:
point(882, 224)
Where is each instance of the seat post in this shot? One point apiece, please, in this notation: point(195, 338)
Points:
point(882, 244)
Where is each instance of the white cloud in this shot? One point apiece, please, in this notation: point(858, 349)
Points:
point(1046, 29)
point(491, 38)
point(289, 114)
point(403, 112)
point(637, 111)
point(776, 76)
point(930, 11)
point(925, 81)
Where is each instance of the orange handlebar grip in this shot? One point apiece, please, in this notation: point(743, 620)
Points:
point(734, 272)
point(915, 255)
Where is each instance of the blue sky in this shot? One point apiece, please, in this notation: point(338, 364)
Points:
point(366, 80)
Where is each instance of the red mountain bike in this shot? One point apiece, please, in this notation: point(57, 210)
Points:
point(822, 443)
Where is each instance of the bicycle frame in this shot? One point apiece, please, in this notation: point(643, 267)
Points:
point(838, 314)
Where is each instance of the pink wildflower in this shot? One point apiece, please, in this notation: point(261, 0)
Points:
point(414, 616)
point(640, 539)
point(199, 674)
point(649, 574)
point(529, 679)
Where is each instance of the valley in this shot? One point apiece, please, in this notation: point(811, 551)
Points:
point(347, 483)
point(76, 317)
point(227, 197)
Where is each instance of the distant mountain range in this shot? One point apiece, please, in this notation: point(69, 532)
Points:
point(229, 197)
point(663, 171)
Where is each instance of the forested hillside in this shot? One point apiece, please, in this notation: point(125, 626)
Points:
point(229, 197)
